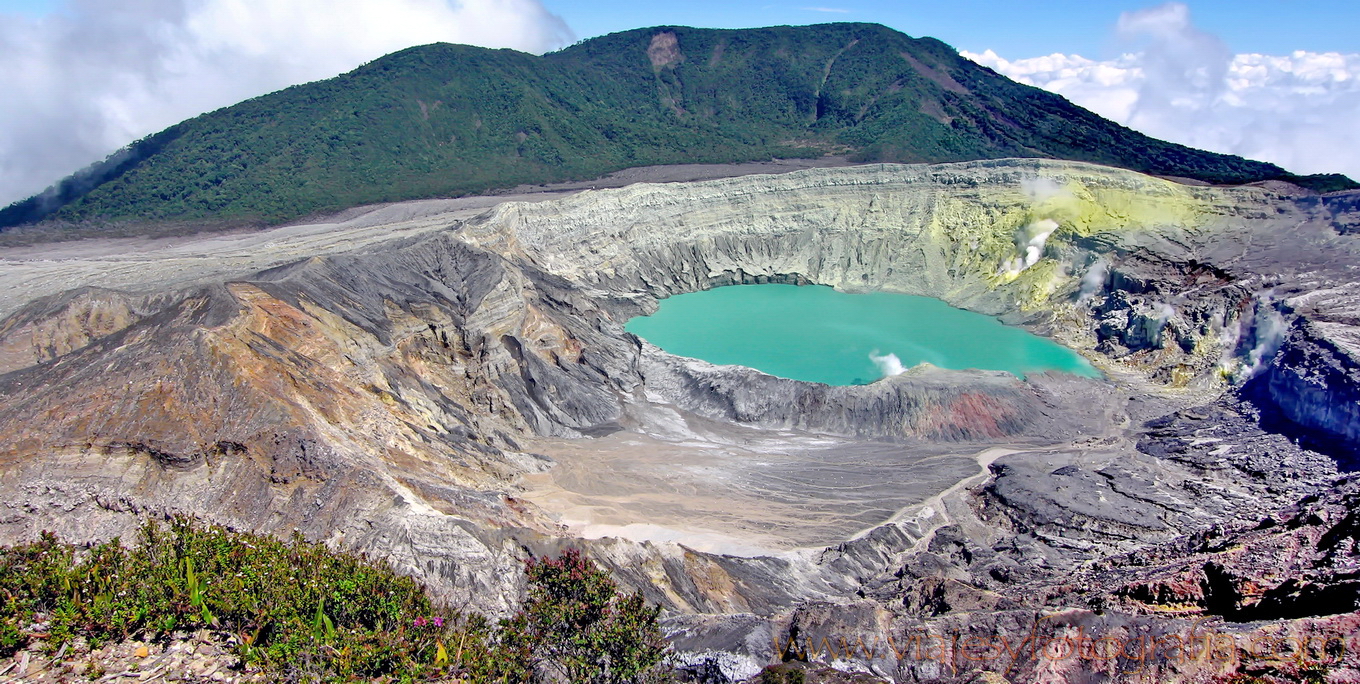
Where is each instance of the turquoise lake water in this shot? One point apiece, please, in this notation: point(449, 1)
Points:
point(817, 334)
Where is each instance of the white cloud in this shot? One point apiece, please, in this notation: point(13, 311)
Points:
point(1301, 111)
point(83, 81)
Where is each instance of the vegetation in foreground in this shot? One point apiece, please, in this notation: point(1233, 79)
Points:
point(450, 120)
point(302, 611)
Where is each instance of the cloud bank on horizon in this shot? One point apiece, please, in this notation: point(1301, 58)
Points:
point(92, 77)
point(1300, 111)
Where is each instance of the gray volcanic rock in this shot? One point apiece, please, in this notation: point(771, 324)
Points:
point(1314, 383)
point(927, 403)
point(1344, 210)
point(430, 396)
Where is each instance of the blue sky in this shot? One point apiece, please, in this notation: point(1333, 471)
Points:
point(1013, 29)
point(1276, 80)
point(1016, 29)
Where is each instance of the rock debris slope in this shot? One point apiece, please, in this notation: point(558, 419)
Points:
point(418, 383)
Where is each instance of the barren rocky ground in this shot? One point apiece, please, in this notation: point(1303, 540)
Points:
point(198, 658)
point(447, 384)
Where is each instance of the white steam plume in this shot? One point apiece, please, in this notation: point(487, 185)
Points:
point(1265, 330)
point(1041, 189)
point(1094, 280)
point(888, 364)
point(1164, 312)
point(1030, 240)
point(1271, 329)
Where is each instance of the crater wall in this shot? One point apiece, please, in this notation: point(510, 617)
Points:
point(384, 393)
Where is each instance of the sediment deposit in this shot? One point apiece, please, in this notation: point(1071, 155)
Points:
point(449, 386)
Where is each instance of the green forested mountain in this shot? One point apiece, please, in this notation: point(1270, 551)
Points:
point(448, 120)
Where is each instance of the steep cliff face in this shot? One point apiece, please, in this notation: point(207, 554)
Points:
point(1312, 386)
point(396, 394)
point(1153, 275)
point(947, 231)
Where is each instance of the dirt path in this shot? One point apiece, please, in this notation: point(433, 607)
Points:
point(149, 264)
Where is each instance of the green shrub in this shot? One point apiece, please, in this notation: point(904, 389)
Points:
point(293, 607)
point(304, 611)
point(577, 625)
point(782, 674)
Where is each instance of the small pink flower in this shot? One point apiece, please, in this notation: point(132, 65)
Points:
point(438, 622)
point(420, 622)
